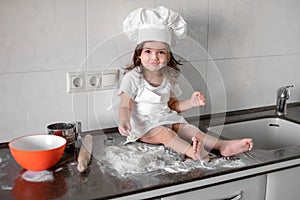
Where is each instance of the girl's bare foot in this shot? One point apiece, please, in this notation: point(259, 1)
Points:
point(199, 152)
point(232, 147)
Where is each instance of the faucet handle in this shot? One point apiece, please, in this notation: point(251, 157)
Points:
point(285, 87)
point(284, 92)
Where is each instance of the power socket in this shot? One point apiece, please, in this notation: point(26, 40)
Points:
point(92, 80)
point(76, 82)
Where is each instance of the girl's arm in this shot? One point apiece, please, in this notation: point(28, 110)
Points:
point(124, 114)
point(197, 99)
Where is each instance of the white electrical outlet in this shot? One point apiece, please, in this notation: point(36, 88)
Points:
point(92, 80)
point(76, 82)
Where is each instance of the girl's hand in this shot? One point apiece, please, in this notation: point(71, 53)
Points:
point(124, 127)
point(197, 99)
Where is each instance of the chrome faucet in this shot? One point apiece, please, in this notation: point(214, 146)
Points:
point(283, 94)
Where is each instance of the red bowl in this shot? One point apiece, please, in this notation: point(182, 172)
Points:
point(37, 152)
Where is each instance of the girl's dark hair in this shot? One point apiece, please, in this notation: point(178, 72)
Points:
point(136, 61)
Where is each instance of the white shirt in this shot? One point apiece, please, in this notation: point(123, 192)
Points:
point(150, 104)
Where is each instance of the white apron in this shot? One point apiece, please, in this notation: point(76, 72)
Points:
point(150, 104)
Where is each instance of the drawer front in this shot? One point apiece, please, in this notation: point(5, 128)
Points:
point(245, 189)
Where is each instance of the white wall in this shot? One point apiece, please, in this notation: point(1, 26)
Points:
point(253, 48)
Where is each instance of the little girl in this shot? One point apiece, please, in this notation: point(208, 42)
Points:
point(149, 108)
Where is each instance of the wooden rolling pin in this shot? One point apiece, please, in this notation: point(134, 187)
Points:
point(85, 152)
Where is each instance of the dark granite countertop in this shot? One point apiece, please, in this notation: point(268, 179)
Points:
point(68, 183)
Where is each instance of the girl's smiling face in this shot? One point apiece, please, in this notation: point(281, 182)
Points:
point(154, 55)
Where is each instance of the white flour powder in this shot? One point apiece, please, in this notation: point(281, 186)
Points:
point(38, 176)
point(142, 158)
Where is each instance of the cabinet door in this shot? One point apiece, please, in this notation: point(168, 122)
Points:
point(283, 184)
point(246, 189)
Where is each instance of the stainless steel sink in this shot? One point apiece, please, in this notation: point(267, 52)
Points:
point(267, 133)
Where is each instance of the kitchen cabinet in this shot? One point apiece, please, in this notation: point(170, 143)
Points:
point(246, 189)
point(283, 184)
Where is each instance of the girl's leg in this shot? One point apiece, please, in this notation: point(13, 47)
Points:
point(226, 147)
point(169, 138)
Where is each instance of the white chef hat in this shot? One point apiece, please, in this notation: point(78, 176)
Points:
point(158, 24)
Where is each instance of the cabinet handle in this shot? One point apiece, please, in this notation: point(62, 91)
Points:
point(235, 197)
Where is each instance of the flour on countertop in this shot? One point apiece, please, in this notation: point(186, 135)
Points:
point(140, 157)
point(6, 188)
point(3, 164)
point(38, 176)
point(4, 161)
